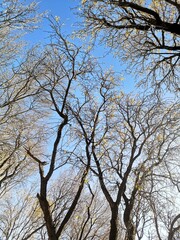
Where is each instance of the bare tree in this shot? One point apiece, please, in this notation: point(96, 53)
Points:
point(62, 63)
point(61, 112)
point(130, 137)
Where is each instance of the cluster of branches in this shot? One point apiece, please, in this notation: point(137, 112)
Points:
point(145, 34)
point(105, 162)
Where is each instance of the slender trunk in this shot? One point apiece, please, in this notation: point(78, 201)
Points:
point(48, 219)
point(130, 232)
point(114, 223)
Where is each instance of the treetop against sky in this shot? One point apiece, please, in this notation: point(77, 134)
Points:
point(66, 13)
point(81, 157)
point(140, 53)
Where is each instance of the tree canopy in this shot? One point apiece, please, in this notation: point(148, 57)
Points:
point(80, 157)
point(144, 33)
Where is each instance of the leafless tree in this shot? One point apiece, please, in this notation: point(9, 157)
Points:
point(62, 63)
point(129, 138)
point(61, 112)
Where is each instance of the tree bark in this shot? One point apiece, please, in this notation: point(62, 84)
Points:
point(48, 219)
point(130, 229)
point(114, 223)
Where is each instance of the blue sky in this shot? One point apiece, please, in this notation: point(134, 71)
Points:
point(61, 8)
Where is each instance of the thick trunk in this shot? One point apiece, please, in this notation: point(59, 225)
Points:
point(130, 229)
point(114, 223)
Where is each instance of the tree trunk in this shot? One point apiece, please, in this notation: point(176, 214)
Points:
point(130, 232)
point(130, 229)
point(114, 223)
point(48, 219)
